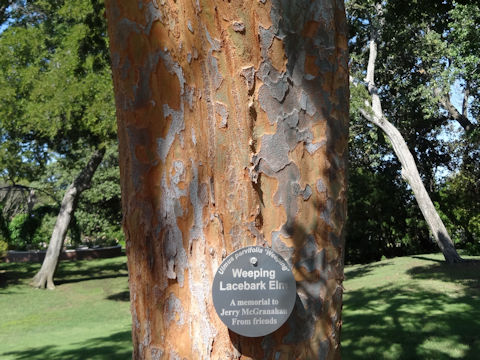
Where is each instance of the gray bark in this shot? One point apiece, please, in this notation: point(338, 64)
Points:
point(31, 200)
point(462, 119)
point(409, 168)
point(44, 277)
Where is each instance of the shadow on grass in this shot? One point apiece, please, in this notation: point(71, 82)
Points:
point(67, 272)
point(121, 296)
point(466, 273)
point(95, 277)
point(412, 322)
point(14, 274)
point(429, 258)
point(362, 270)
point(115, 346)
point(89, 270)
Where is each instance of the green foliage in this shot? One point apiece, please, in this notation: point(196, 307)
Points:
point(383, 219)
point(99, 212)
point(465, 36)
point(461, 196)
point(97, 219)
point(62, 79)
point(43, 232)
point(56, 95)
point(3, 247)
point(31, 231)
point(20, 232)
point(56, 104)
point(473, 248)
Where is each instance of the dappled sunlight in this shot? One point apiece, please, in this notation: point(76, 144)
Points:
point(112, 346)
point(13, 274)
point(361, 270)
point(466, 274)
point(412, 317)
point(86, 317)
point(67, 272)
point(436, 344)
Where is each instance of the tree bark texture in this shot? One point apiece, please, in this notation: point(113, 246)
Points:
point(409, 168)
point(44, 277)
point(233, 127)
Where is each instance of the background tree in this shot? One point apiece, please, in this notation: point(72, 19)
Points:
point(99, 213)
point(56, 99)
point(232, 124)
point(415, 58)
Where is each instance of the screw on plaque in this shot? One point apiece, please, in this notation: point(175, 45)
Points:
point(254, 261)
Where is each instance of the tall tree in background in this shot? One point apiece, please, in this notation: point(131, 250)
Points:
point(372, 111)
point(55, 97)
point(232, 122)
point(44, 277)
point(408, 59)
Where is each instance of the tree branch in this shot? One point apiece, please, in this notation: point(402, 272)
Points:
point(444, 100)
point(28, 188)
point(466, 94)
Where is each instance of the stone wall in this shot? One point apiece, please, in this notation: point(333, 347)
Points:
point(76, 254)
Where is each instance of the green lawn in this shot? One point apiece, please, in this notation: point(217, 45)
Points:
point(86, 317)
point(405, 308)
point(412, 308)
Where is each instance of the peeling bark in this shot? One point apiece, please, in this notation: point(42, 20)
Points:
point(233, 127)
point(44, 277)
point(374, 114)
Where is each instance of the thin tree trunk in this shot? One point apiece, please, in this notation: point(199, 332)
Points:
point(31, 200)
point(461, 118)
point(44, 277)
point(409, 168)
point(233, 126)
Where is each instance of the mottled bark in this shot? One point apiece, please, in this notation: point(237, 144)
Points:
point(374, 114)
point(44, 277)
point(232, 120)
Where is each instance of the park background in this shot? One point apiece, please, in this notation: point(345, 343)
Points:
point(57, 109)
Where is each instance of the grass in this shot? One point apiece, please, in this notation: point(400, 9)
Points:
point(405, 308)
point(414, 307)
point(87, 316)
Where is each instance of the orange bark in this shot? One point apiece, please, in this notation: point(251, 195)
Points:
point(232, 121)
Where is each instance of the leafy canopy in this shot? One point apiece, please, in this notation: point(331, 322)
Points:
point(55, 84)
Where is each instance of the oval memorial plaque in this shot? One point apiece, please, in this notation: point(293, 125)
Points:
point(254, 291)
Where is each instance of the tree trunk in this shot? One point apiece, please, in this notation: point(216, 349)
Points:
point(44, 277)
point(461, 118)
point(233, 127)
point(409, 168)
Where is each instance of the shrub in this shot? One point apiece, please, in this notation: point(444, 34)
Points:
point(18, 228)
point(3, 247)
point(111, 237)
point(31, 231)
point(473, 249)
point(43, 232)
